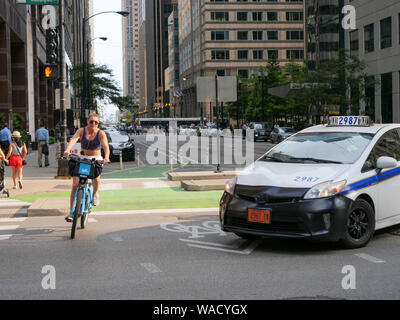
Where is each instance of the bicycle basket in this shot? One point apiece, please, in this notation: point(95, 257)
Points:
point(84, 168)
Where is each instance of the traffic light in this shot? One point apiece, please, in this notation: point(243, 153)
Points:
point(52, 46)
point(51, 72)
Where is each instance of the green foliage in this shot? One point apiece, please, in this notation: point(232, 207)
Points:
point(101, 83)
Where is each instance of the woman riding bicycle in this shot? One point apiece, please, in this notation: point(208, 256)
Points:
point(92, 140)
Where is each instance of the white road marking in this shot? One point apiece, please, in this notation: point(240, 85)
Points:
point(4, 228)
point(150, 267)
point(91, 220)
point(247, 251)
point(13, 203)
point(12, 220)
point(369, 258)
point(235, 245)
point(5, 236)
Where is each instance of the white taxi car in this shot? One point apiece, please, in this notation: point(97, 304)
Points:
point(334, 182)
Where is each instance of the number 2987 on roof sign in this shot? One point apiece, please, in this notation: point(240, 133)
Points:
point(359, 121)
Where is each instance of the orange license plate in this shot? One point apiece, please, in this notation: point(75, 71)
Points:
point(259, 215)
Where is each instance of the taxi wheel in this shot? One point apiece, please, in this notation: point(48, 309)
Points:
point(360, 225)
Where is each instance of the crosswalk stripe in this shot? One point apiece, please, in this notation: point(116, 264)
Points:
point(5, 228)
point(5, 236)
point(2, 220)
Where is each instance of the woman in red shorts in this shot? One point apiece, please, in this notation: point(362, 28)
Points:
point(17, 152)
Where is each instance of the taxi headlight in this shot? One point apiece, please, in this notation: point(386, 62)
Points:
point(230, 185)
point(325, 189)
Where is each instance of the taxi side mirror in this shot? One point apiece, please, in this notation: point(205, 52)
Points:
point(386, 163)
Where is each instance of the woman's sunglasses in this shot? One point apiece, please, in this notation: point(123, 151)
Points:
point(93, 122)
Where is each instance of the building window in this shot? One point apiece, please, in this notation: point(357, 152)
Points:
point(295, 54)
point(386, 33)
point(369, 38)
point(354, 43)
point(220, 55)
point(221, 73)
point(387, 97)
point(242, 35)
point(294, 16)
point(257, 16)
point(242, 16)
point(219, 16)
point(272, 54)
point(243, 73)
point(219, 35)
point(258, 54)
point(272, 16)
point(257, 35)
point(295, 35)
point(243, 54)
point(272, 35)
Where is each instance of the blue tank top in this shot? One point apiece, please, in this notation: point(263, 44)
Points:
point(90, 144)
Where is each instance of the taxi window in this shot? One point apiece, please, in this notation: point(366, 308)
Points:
point(320, 147)
point(388, 145)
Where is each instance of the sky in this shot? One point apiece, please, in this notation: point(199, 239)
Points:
point(108, 25)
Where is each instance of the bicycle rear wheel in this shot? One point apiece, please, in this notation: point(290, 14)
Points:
point(77, 212)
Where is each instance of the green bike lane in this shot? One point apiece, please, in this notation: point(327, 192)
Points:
point(143, 188)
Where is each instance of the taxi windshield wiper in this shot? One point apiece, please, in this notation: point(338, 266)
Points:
point(269, 158)
point(316, 160)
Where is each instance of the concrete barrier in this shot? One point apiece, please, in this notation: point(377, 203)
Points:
point(203, 185)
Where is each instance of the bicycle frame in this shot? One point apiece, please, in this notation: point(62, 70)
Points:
point(86, 204)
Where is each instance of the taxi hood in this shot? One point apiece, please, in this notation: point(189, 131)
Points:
point(289, 175)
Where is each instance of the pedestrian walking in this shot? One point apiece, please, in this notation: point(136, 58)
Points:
point(42, 138)
point(16, 154)
point(5, 138)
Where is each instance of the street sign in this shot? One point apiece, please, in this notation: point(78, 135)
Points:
point(227, 89)
point(40, 2)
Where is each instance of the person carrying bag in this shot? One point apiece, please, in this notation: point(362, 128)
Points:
point(17, 160)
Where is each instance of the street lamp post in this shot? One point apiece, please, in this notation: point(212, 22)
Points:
point(85, 61)
point(62, 164)
point(262, 93)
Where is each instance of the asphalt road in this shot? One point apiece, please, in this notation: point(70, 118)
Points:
point(184, 256)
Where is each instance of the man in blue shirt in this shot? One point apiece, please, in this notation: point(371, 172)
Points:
point(42, 138)
point(5, 138)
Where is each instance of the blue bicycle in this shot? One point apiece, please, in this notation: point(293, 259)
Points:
point(85, 169)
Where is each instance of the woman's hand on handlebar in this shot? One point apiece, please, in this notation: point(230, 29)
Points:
point(106, 160)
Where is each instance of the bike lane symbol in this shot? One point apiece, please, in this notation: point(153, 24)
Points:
point(207, 228)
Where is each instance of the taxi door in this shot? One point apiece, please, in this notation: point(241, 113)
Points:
point(389, 179)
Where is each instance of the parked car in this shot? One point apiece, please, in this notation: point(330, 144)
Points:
point(281, 133)
point(262, 130)
point(120, 141)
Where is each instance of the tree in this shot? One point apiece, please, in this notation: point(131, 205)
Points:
point(323, 86)
point(101, 83)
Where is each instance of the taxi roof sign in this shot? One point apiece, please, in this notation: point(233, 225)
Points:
point(349, 121)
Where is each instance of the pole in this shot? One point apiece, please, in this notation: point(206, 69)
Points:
point(84, 94)
point(218, 140)
point(62, 164)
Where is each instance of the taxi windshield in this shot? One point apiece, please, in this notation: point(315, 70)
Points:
point(320, 147)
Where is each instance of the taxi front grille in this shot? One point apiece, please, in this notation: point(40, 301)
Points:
point(269, 195)
point(275, 226)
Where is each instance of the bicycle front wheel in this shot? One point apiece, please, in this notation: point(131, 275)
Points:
point(77, 212)
point(84, 216)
